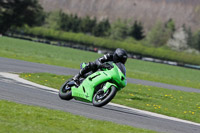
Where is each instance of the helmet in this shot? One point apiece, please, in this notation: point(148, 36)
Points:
point(120, 55)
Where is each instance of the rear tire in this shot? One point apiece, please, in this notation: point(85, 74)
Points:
point(106, 97)
point(65, 94)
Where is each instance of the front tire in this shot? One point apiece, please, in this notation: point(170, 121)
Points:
point(100, 98)
point(65, 94)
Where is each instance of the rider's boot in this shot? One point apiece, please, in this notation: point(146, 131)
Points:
point(81, 73)
point(76, 79)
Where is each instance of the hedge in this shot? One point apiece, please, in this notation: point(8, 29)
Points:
point(139, 49)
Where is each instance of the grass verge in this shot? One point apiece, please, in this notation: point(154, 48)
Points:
point(18, 118)
point(174, 103)
point(67, 57)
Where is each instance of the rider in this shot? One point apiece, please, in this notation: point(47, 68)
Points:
point(120, 55)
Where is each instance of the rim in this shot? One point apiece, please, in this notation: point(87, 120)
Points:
point(100, 95)
point(66, 89)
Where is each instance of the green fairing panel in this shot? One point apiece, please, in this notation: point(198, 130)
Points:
point(118, 77)
point(87, 88)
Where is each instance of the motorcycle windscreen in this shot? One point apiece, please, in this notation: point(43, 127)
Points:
point(122, 68)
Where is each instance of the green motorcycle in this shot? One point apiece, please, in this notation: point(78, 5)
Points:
point(99, 87)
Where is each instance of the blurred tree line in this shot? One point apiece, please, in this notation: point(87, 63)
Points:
point(59, 20)
point(17, 13)
point(119, 30)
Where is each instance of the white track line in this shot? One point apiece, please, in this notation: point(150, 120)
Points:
point(17, 78)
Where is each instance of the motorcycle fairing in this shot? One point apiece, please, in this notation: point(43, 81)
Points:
point(86, 90)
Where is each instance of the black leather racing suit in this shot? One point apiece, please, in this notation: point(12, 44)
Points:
point(94, 66)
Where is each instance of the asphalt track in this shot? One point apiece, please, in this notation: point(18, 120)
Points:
point(18, 66)
point(13, 90)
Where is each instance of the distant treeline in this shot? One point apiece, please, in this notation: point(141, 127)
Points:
point(59, 20)
point(162, 34)
point(17, 14)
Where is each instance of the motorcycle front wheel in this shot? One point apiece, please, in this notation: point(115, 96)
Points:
point(102, 98)
point(65, 94)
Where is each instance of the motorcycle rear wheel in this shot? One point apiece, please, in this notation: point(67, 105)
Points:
point(65, 94)
point(100, 98)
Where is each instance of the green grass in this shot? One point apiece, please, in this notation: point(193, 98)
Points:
point(183, 105)
point(174, 103)
point(163, 73)
point(42, 53)
point(67, 57)
point(47, 79)
point(19, 118)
